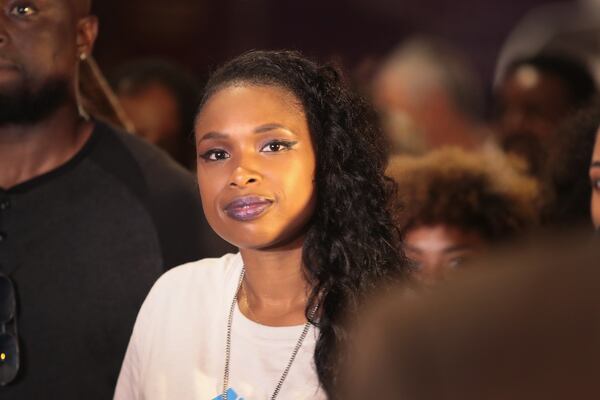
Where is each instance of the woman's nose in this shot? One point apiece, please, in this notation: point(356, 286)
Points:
point(243, 177)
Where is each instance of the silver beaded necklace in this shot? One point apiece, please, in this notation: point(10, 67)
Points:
point(228, 344)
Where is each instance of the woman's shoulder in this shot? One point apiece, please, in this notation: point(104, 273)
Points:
point(206, 268)
point(209, 275)
point(208, 271)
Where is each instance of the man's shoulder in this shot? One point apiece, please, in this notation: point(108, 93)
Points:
point(152, 162)
point(168, 192)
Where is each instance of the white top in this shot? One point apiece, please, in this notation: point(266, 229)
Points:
point(177, 349)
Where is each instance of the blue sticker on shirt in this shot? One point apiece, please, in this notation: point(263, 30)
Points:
point(231, 395)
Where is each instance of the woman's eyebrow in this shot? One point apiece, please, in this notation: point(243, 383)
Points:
point(260, 129)
point(269, 127)
point(458, 247)
point(413, 248)
point(213, 135)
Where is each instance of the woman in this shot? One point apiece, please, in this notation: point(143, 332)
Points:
point(291, 171)
point(457, 204)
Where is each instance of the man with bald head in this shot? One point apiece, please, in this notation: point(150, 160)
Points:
point(89, 216)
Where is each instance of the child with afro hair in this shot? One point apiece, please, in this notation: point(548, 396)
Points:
point(456, 204)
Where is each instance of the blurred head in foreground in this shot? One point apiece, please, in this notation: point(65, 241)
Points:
point(427, 97)
point(456, 204)
point(520, 328)
point(535, 97)
point(161, 99)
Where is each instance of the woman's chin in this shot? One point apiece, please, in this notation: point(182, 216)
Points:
point(267, 243)
point(259, 235)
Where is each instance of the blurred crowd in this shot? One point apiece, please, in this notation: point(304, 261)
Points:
point(483, 169)
point(477, 163)
point(497, 203)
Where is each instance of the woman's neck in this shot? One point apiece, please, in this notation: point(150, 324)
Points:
point(275, 290)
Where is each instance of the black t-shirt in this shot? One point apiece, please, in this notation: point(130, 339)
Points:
point(83, 245)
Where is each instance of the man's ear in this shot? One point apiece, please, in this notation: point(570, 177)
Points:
point(87, 31)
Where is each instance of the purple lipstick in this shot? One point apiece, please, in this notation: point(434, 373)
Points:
point(247, 208)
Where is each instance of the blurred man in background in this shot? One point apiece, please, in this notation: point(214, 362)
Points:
point(537, 95)
point(428, 97)
point(161, 99)
point(89, 216)
point(566, 177)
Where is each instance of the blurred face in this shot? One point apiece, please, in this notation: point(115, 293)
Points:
point(155, 115)
point(256, 166)
point(40, 44)
point(437, 250)
point(532, 103)
point(531, 106)
point(595, 179)
point(401, 115)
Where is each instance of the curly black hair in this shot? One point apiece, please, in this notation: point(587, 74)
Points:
point(352, 244)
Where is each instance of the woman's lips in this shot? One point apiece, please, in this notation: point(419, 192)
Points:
point(247, 208)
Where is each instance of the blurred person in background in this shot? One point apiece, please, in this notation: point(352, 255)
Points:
point(96, 99)
point(565, 27)
point(566, 180)
point(522, 326)
point(536, 95)
point(456, 205)
point(595, 182)
point(161, 100)
point(429, 97)
point(89, 216)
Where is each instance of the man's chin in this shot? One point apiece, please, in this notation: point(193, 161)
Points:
point(10, 76)
point(21, 105)
point(11, 87)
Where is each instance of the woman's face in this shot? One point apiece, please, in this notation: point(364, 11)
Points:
point(437, 250)
point(595, 179)
point(256, 166)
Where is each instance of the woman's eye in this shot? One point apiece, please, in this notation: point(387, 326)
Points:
point(456, 262)
point(277, 146)
point(414, 265)
point(596, 184)
point(23, 11)
point(215, 155)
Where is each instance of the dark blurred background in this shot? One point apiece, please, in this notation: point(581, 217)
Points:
point(200, 34)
